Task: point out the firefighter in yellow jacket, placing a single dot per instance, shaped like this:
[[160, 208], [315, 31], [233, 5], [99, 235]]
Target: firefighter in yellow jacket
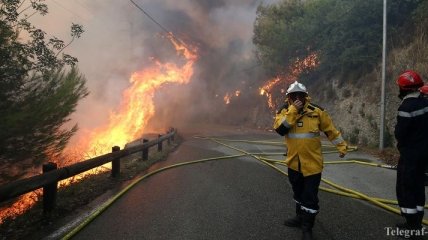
[[302, 123]]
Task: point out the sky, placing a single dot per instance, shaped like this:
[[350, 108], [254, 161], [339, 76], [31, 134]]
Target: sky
[[119, 40]]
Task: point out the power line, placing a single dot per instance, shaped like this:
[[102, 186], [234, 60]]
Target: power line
[[83, 5], [68, 10], [157, 23]]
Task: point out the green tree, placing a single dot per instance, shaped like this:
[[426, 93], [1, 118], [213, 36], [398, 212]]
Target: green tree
[[274, 35], [346, 34], [39, 88]]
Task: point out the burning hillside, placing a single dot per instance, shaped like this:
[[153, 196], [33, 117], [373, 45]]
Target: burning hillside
[[308, 63]]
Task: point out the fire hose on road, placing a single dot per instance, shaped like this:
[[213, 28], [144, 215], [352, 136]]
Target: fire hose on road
[[337, 189]]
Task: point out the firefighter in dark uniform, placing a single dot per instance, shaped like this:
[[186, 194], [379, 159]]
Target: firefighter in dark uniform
[[411, 132], [302, 123]]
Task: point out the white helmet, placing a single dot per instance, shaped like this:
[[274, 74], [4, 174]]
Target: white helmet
[[296, 87]]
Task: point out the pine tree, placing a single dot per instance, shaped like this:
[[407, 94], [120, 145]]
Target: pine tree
[[40, 87]]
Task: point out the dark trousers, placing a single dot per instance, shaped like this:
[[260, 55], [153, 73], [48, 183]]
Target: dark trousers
[[410, 186], [305, 189]]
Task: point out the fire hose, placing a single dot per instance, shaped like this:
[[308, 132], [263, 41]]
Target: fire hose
[[339, 190]]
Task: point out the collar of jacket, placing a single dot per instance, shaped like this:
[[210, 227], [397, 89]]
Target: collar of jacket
[[412, 95], [305, 108]]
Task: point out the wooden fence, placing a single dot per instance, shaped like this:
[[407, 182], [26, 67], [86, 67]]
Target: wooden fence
[[51, 175]]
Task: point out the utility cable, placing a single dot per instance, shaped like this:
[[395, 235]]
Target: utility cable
[[68, 10], [157, 23]]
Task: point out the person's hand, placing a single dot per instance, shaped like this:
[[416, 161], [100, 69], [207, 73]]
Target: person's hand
[[341, 155], [298, 105]]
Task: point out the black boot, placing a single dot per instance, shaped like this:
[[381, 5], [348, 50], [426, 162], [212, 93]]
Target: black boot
[[308, 220], [413, 222], [295, 221]]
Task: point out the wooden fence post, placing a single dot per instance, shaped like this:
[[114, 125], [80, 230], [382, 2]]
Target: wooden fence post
[[115, 164], [159, 143], [145, 151], [50, 190]]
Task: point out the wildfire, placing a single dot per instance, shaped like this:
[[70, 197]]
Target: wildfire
[[229, 96], [20, 206], [137, 106], [130, 121], [226, 98], [266, 89], [310, 62]]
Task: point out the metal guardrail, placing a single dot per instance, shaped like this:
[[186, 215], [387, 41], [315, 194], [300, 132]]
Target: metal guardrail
[[51, 176]]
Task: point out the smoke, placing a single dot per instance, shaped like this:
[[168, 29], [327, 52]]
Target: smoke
[[119, 40], [223, 33]]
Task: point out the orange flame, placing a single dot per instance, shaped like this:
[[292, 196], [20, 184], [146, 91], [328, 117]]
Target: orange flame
[[137, 106], [228, 97], [269, 85], [310, 62], [266, 90], [20, 206], [128, 123]]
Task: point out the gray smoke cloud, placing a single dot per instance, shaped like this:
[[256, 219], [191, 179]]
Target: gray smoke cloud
[[119, 40]]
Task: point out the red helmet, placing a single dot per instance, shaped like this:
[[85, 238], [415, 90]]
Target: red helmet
[[424, 89], [409, 80]]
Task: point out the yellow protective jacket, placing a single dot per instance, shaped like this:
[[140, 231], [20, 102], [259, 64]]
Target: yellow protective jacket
[[302, 136]]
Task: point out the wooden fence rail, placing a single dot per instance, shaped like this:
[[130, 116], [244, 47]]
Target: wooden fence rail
[[52, 177]]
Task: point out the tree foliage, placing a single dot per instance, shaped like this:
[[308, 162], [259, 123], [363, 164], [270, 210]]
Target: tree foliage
[[346, 34], [39, 86], [274, 34]]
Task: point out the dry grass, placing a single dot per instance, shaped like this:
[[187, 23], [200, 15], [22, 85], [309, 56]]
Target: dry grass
[[414, 56]]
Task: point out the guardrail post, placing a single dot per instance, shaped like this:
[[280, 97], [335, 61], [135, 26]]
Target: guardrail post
[[49, 190], [159, 143], [145, 151], [115, 164]]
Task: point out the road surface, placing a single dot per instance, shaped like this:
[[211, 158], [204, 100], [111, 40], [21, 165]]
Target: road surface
[[241, 197]]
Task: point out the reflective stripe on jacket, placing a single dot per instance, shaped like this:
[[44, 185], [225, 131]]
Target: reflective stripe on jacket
[[411, 129], [302, 136]]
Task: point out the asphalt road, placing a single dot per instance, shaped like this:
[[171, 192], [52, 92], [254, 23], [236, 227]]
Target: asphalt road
[[240, 198]]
